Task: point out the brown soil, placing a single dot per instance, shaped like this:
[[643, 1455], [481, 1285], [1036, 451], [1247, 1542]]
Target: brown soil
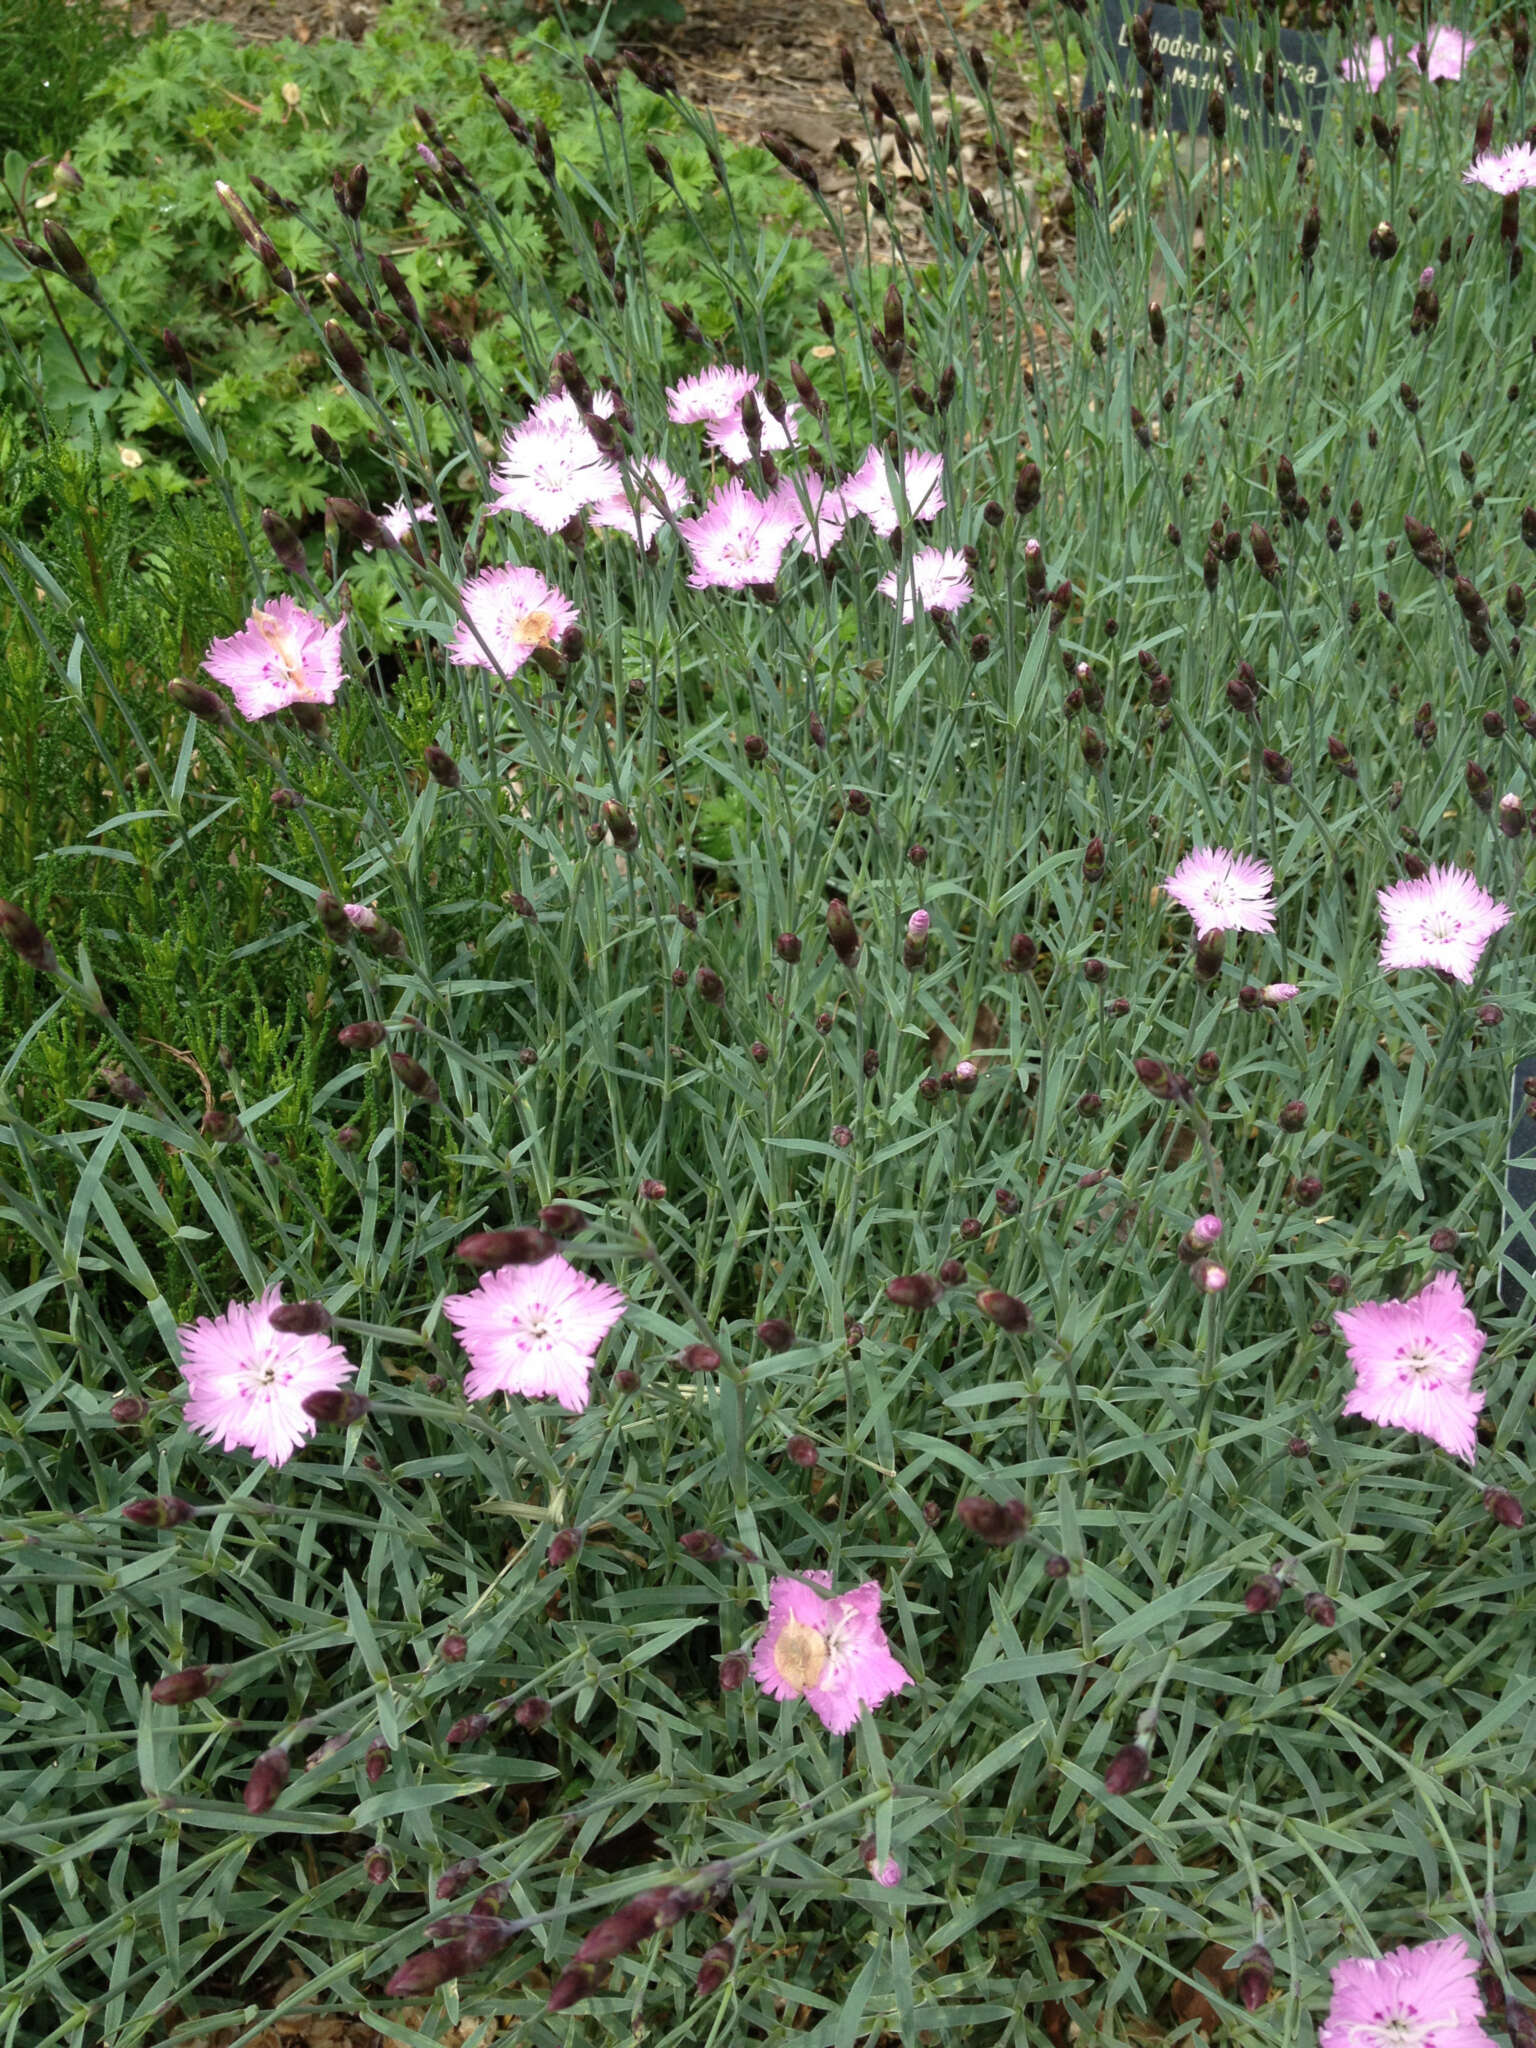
[[758, 65]]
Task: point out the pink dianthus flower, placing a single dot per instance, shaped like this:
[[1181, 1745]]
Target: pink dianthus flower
[[282, 655], [534, 1330], [1423, 1996], [247, 1383], [1413, 1362], [728, 437], [712, 395], [935, 580], [826, 1648], [1504, 171], [814, 510], [737, 540], [643, 518], [510, 611], [397, 521], [869, 491], [1442, 920], [1369, 66], [1444, 54], [1224, 892]]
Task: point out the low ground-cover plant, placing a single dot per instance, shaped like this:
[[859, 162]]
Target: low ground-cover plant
[[51, 60], [878, 1405], [198, 104]]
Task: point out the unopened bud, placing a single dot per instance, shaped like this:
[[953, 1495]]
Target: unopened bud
[[1129, 1769], [913, 1290], [1504, 1507], [159, 1511], [269, 1775], [179, 1688], [564, 1545], [996, 1523], [1006, 1310], [1255, 1974], [716, 1963], [25, 939], [488, 1249], [775, 1334], [1263, 1596], [699, 1358], [412, 1075], [1320, 1608]]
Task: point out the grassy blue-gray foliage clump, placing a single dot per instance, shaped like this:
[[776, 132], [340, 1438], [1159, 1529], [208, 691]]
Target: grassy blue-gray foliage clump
[[591, 971]]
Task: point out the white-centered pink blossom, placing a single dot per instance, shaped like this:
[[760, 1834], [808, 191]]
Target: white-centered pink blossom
[[534, 1330], [1443, 920], [509, 612], [282, 655], [247, 1383]]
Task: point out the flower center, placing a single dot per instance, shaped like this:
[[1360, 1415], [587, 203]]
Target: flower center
[[534, 629], [535, 1326], [800, 1655], [1421, 1359], [1404, 2029], [285, 650], [1441, 927]]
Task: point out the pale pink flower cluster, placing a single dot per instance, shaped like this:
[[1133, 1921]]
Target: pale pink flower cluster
[[532, 1330], [935, 580], [713, 400], [1414, 1361], [1443, 55]]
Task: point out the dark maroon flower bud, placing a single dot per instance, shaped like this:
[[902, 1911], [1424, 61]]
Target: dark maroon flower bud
[[1094, 970], [1057, 1567], [1158, 1080], [1382, 241], [159, 1511], [180, 1688], [1293, 1116], [468, 1728], [1093, 860], [996, 1523], [703, 1544], [128, 1409], [1320, 1608], [377, 1867], [1443, 1240], [453, 1649], [787, 946], [1129, 1769], [970, 1229], [414, 1077], [1276, 766], [488, 1249], [913, 1290], [622, 829], [625, 1381], [841, 933], [301, 1318], [269, 1774], [733, 1672], [775, 1334], [336, 1405], [362, 1036], [1263, 1596], [442, 768], [716, 1963], [1504, 1507], [1308, 1190], [1006, 1310], [1265, 558], [532, 1713], [952, 1272], [709, 985], [1490, 1014], [1519, 2024], [456, 1876], [1255, 1974], [802, 1452], [25, 939], [653, 1191], [376, 1762], [564, 1545], [560, 1219]]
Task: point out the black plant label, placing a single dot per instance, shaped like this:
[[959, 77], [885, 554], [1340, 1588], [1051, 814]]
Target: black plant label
[[1518, 1266], [1289, 109]]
